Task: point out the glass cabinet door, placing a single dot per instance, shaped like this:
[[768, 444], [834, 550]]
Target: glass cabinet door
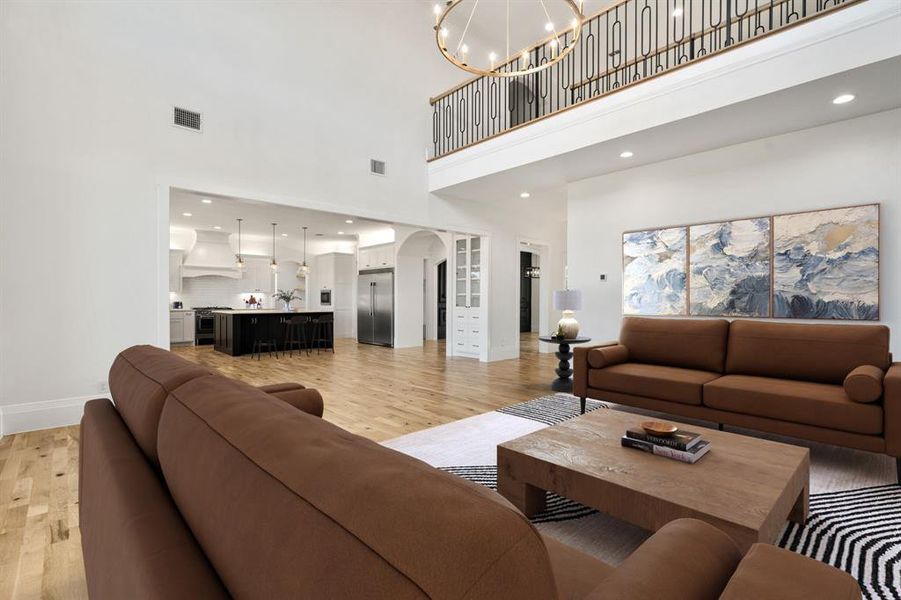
[[475, 264], [462, 265]]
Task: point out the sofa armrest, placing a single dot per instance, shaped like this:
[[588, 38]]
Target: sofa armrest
[[580, 367], [305, 399], [695, 559], [891, 405]]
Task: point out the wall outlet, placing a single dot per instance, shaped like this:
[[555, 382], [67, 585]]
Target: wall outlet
[[103, 386], [603, 277]]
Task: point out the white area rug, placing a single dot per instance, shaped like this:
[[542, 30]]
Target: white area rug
[[855, 521]]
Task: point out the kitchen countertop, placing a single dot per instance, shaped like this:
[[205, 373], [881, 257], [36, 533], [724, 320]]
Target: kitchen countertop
[[272, 311]]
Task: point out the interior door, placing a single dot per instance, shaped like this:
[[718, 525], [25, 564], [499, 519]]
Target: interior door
[[525, 293], [364, 309], [442, 300]]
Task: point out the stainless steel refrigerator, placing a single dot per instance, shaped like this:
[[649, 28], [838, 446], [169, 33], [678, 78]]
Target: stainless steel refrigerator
[[375, 307]]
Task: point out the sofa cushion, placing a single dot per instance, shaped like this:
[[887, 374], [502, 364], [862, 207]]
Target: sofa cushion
[[689, 344], [606, 356], [818, 404], [140, 380], [654, 381], [864, 384], [344, 517], [771, 572], [575, 573], [823, 353]]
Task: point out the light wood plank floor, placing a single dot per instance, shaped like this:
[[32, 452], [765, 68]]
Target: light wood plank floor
[[380, 393]]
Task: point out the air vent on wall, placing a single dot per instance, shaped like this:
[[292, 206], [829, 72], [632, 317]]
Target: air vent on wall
[[182, 117], [378, 167]]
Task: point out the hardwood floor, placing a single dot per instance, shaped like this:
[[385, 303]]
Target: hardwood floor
[[380, 393]]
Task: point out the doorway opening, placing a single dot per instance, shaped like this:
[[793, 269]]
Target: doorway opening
[[416, 284]]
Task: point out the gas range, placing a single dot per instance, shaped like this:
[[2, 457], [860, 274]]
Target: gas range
[[205, 324]]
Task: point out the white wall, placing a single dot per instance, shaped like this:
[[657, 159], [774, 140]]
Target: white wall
[[851, 162], [88, 156]]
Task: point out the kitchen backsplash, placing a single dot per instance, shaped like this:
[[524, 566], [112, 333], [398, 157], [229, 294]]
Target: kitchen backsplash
[[216, 291]]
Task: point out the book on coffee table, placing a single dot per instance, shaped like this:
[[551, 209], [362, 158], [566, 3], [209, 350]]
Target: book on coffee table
[[692, 455], [680, 440]]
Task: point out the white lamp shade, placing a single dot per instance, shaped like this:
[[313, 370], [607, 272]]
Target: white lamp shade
[[568, 300]]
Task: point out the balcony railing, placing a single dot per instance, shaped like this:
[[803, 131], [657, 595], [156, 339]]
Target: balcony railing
[[626, 44]]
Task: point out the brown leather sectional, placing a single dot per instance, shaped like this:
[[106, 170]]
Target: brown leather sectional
[[193, 485], [826, 383]]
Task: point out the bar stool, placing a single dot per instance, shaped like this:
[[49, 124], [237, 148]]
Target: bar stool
[[262, 339], [296, 335], [324, 331]]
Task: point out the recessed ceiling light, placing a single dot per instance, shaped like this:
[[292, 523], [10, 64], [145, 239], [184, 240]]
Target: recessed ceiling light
[[187, 215], [525, 195], [340, 233], [284, 235], [626, 154], [843, 99], [348, 221], [677, 12], [217, 227], [207, 201]]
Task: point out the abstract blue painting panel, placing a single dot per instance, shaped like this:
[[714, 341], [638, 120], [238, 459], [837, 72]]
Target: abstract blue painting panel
[[730, 268], [826, 264], [654, 272]]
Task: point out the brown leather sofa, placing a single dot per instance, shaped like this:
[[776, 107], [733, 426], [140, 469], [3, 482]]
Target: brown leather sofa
[[790, 379], [194, 485]]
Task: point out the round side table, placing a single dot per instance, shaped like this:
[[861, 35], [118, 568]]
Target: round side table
[[564, 382]]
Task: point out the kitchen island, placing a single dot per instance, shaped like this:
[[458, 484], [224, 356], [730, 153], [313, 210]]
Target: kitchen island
[[235, 329]]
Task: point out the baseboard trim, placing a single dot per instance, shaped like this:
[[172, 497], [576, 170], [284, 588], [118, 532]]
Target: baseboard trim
[[44, 414]]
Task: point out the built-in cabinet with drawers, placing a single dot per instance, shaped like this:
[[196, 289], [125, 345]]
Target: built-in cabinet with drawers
[[468, 331]]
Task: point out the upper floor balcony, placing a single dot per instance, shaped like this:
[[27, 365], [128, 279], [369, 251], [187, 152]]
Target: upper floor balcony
[[624, 45]]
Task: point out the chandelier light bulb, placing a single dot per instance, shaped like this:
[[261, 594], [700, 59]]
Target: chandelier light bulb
[[444, 32], [574, 23], [524, 57], [492, 58], [437, 11], [677, 12], [549, 27]]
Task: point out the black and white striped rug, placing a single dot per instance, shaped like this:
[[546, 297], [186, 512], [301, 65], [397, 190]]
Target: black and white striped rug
[[552, 409]]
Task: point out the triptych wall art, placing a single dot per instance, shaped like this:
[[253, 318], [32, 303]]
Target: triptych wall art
[[814, 265]]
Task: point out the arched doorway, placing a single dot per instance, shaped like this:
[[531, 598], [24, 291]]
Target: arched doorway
[[416, 288]]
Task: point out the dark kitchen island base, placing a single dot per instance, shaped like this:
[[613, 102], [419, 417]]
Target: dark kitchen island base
[[235, 329]]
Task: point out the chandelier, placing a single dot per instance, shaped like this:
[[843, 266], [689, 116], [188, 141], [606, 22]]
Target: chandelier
[[471, 38]]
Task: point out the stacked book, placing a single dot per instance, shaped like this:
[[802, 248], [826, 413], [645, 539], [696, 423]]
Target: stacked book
[[685, 446]]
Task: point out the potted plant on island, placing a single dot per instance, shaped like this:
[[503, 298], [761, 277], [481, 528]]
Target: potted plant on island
[[286, 296]]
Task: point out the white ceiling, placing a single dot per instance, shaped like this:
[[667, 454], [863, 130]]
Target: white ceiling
[[259, 216], [877, 88]]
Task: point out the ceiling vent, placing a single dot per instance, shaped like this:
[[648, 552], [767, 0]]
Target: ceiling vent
[[188, 119], [378, 167]]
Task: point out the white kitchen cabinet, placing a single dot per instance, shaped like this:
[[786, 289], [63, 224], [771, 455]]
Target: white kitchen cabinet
[[335, 272], [377, 257], [258, 276], [176, 257], [469, 333], [181, 327]]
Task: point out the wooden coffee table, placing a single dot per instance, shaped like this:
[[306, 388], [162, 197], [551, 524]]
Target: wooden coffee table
[[745, 486]]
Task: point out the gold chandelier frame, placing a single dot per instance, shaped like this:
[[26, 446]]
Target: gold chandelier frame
[[494, 72]]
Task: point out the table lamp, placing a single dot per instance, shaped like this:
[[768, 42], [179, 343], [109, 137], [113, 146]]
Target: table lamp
[[568, 301]]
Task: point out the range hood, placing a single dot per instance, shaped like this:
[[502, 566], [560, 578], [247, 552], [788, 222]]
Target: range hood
[[211, 255]]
